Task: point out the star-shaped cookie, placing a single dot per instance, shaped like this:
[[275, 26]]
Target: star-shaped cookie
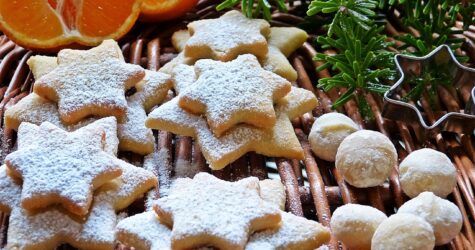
[[35, 109], [183, 76], [239, 91], [273, 191], [42, 65], [223, 213], [59, 167], [89, 82], [279, 141], [287, 39], [133, 135], [282, 42], [144, 232], [227, 37], [179, 59], [294, 233], [49, 228]]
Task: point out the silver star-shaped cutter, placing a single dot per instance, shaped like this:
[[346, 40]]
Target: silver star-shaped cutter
[[462, 77]]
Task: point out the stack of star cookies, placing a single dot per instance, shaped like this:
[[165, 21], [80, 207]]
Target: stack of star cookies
[[67, 187], [77, 87], [65, 183], [208, 212], [232, 78]]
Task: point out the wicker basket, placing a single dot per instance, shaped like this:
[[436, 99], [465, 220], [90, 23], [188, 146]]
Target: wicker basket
[[314, 188]]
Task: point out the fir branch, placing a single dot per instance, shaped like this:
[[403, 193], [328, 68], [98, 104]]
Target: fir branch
[[434, 21], [255, 8], [361, 62], [361, 11], [433, 18]]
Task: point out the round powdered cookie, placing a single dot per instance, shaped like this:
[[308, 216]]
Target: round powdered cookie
[[327, 133], [354, 225], [403, 231], [366, 158], [443, 215], [424, 170]]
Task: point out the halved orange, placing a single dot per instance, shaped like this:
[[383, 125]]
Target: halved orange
[[162, 10], [53, 24]]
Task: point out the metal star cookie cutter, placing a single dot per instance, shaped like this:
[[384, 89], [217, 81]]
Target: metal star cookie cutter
[[462, 77]]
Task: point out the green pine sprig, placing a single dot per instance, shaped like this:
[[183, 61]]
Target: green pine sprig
[[255, 8], [434, 21], [433, 17], [361, 62], [360, 11]]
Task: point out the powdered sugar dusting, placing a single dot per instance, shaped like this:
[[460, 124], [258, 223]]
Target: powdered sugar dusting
[[279, 141], [226, 37], [9, 191], [73, 159], [107, 49], [48, 229], [183, 76], [152, 90], [443, 215], [222, 209], [133, 134], [33, 109], [84, 89], [179, 59], [159, 163], [424, 170], [144, 231], [109, 125], [123, 190], [273, 191], [366, 158], [91, 82], [294, 233], [234, 92]]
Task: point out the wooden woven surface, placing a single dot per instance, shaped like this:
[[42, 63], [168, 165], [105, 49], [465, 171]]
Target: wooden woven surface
[[314, 188]]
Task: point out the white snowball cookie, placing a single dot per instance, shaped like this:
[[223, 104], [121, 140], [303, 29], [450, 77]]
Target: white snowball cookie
[[403, 231], [327, 133], [427, 170], [443, 215], [354, 225], [366, 158]]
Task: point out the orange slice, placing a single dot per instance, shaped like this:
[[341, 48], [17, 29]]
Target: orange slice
[[53, 24], [162, 10]]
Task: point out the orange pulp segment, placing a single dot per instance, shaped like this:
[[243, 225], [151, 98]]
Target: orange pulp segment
[[50, 24], [162, 10]]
